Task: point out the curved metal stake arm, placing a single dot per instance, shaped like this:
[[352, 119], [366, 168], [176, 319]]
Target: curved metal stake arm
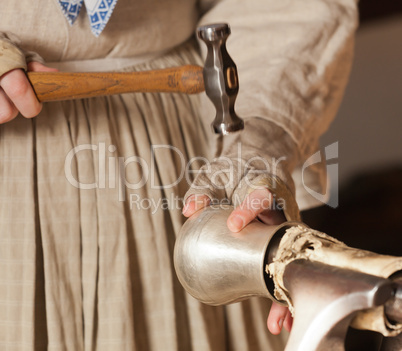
[[324, 310]]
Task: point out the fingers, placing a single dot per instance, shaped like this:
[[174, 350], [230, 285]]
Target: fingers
[[7, 109], [38, 67], [19, 91], [17, 95], [195, 203], [255, 203], [279, 316], [288, 322]]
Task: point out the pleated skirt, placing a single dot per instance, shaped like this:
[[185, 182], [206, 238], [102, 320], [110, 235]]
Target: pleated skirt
[[90, 204]]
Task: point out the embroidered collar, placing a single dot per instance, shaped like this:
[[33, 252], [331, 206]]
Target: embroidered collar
[[99, 12]]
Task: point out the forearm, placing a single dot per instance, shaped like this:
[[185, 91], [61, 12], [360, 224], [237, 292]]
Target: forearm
[[261, 156]]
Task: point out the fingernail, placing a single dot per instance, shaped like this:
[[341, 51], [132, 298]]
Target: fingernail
[[280, 323], [237, 222]]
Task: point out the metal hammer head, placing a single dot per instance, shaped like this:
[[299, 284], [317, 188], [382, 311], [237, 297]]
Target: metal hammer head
[[220, 78]]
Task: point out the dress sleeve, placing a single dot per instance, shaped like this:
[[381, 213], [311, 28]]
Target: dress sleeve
[[12, 56], [293, 59]]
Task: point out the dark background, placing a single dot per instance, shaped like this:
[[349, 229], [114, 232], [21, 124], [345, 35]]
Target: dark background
[[369, 131]]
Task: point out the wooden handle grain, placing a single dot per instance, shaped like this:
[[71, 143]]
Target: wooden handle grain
[[56, 86]]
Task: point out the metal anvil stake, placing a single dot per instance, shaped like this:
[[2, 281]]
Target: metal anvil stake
[[219, 267]]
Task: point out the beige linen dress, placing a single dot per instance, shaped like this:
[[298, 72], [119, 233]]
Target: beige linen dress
[[91, 190]]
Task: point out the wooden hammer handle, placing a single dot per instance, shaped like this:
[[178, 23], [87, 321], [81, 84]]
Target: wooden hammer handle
[[56, 86]]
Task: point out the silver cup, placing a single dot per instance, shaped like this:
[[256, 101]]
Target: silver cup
[[217, 266]]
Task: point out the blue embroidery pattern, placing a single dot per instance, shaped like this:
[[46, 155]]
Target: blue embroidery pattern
[[99, 12]]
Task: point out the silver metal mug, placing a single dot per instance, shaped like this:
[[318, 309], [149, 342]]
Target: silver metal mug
[[217, 266]]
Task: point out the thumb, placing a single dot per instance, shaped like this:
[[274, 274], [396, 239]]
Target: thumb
[[255, 203]]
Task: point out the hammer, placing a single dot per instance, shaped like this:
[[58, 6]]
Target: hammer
[[218, 78]]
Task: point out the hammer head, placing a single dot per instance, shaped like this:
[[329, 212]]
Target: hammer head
[[220, 78]]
